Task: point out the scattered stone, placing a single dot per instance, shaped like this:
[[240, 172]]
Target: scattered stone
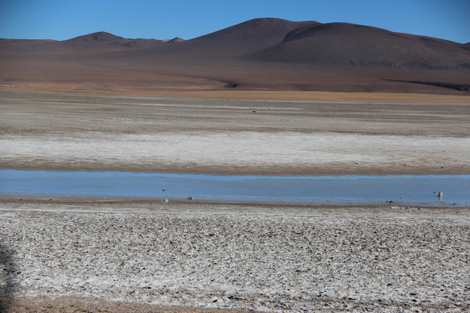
[[190, 198]]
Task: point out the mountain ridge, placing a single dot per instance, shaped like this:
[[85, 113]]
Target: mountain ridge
[[282, 41], [264, 54]]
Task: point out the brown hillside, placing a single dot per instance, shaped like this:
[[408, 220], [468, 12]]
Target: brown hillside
[[260, 54], [107, 40], [356, 45]]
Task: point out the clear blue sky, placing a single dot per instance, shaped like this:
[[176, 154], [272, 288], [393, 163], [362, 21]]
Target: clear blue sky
[[166, 19]]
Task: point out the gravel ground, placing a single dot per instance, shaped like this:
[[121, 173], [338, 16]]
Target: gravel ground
[[388, 259]]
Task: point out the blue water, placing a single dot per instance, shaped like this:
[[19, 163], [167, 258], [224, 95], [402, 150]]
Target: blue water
[[404, 189]]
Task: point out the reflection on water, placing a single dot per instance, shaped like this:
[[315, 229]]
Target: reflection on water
[[404, 189]]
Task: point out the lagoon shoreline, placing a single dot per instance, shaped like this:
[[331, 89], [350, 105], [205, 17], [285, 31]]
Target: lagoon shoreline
[[85, 254]]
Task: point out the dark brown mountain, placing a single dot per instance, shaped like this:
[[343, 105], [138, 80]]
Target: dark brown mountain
[[247, 37], [105, 40], [356, 45], [91, 43], [266, 54]]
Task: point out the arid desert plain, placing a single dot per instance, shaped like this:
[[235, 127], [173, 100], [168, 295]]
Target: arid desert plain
[[142, 255]]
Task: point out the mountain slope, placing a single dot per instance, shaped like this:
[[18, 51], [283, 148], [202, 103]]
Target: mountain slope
[[356, 45], [266, 53], [227, 45], [249, 36], [270, 40]]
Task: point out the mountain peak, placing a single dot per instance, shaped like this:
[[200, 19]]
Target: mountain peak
[[174, 40], [250, 36], [98, 36]]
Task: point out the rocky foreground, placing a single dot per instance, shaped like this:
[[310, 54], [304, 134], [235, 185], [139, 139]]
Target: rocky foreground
[[387, 259]]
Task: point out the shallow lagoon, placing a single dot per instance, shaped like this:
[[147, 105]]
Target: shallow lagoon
[[401, 189]]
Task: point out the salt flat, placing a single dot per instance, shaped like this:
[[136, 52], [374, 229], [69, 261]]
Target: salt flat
[[137, 256], [392, 259], [59, 132], [239, 152]]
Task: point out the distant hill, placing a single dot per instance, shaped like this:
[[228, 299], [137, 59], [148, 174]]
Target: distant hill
[[95, 42], [107, 40], [265, 53]]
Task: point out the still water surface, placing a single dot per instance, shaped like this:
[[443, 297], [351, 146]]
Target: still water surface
[[403, 189]]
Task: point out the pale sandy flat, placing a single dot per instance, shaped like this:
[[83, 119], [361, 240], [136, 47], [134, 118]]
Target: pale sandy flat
[[63, 132]]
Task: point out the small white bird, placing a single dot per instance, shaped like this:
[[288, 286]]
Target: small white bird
[[165, 201]]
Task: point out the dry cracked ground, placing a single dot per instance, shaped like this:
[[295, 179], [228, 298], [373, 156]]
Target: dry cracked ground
[[388, 259]]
